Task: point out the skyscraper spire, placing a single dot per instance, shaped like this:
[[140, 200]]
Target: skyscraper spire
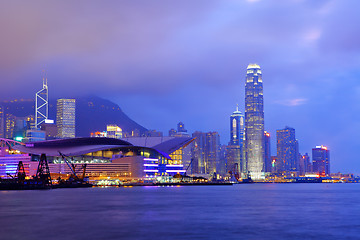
[[41, 103], [254, 122]]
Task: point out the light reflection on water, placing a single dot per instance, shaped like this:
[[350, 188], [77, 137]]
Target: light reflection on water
[[249, 211]]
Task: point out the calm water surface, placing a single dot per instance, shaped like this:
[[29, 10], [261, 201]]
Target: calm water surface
[[254, 211]]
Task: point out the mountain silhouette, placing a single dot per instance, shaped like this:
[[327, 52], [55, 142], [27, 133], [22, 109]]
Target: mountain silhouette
[[92, 114]]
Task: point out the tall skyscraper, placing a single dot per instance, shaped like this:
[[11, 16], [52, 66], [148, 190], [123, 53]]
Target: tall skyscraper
[[41, 104], [267, 152], [321, 160], [236, 128], [287, 150], [235, 150], [212, 151], [65, 118], [254, 122]]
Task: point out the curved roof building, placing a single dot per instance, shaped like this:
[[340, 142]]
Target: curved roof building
[[140, 157]]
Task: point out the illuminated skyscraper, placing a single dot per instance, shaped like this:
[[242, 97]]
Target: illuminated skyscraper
[[287, 149], [321, 160], [65, 118], [235, 150], [41, 104], [236, 128], [254, 122]]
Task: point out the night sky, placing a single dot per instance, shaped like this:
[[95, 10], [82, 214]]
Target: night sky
[[170, 61]]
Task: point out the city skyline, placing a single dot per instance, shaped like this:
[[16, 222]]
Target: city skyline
[[308, 53]]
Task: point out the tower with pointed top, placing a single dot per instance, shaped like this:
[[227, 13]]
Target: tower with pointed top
[[254, 123], [236, 127], [42, 104], [235, 149]]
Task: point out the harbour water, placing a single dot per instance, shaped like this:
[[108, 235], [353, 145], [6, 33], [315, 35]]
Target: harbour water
[[247, 211]]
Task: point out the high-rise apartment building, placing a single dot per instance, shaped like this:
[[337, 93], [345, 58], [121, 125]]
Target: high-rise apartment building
[[321, 160], [65, 118], [254, 122], [287, 150]]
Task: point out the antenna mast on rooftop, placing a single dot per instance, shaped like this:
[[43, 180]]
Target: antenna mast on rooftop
[[42, 103]]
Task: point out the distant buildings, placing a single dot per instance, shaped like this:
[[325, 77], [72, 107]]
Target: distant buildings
[[305, 165], [254, 122], [50, 129], [181, 128], [267, 152], [181, 131], [9, 125], [321, 160], [287, 150], [172, 132], [2, 121], [206, 152], [114, 131], [65, 118]]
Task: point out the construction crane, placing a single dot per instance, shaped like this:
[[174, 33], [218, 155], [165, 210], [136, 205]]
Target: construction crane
[[73, 168], [43, 172]]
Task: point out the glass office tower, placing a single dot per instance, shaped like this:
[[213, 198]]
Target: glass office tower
[[65, 118], [254, 123]]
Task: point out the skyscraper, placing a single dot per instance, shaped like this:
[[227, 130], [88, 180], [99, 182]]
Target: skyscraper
[[287, 150], [321, 160], [236, 128], [41, 104], [235, 150], [205, 152], [212, 152], [254, 122], [65, 118], [267, 152]]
